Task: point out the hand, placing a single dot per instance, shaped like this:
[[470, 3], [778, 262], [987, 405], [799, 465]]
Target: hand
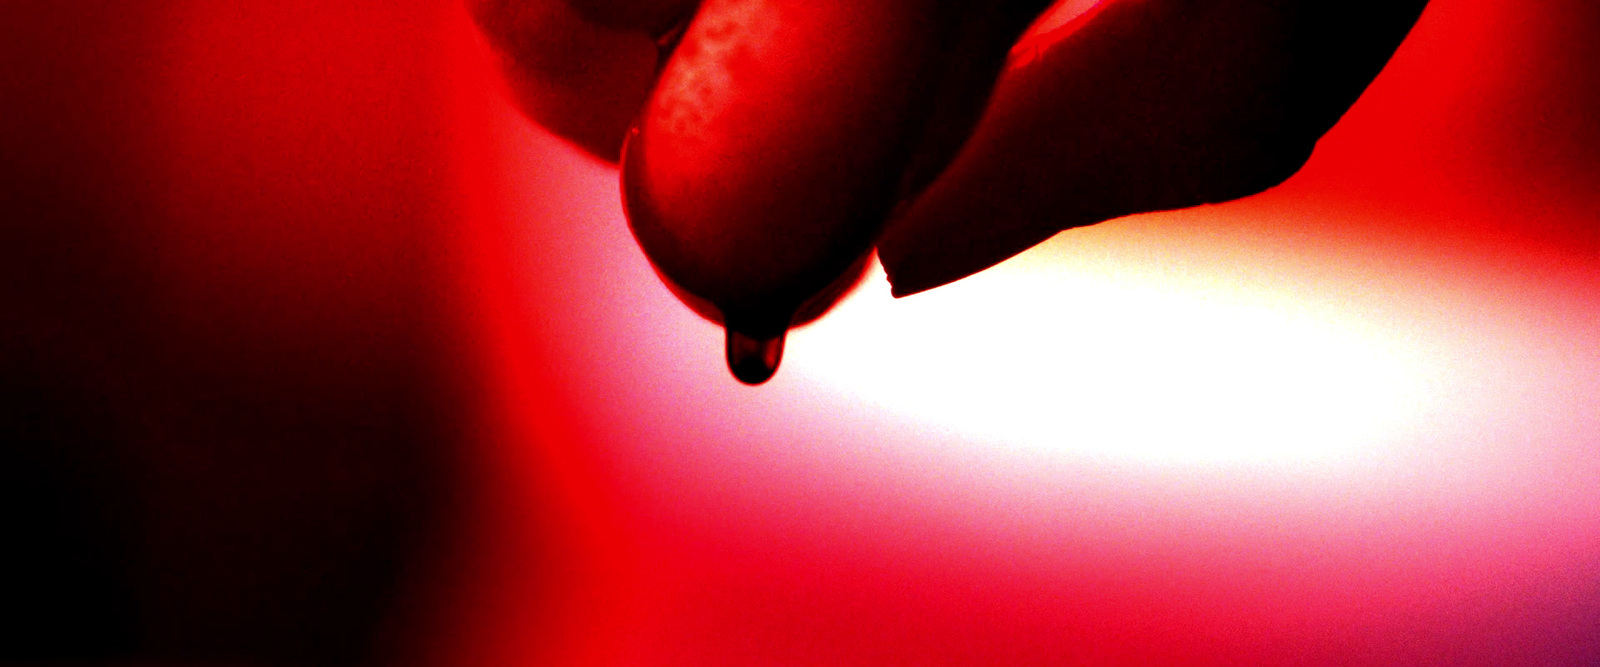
[[982, 147]]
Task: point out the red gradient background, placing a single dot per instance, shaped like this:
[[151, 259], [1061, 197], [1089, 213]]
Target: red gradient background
[[316, 352]]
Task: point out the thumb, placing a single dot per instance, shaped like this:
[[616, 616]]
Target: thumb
[[1137, 106]]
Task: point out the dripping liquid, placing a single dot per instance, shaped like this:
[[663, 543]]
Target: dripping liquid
[[754, 359]]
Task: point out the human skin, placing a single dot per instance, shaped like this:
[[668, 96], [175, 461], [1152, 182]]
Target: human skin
[[1136, 106]]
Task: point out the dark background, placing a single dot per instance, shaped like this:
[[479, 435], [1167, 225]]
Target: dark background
[[227, 392]]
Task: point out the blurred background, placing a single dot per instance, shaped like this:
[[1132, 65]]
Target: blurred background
[[314, 352]]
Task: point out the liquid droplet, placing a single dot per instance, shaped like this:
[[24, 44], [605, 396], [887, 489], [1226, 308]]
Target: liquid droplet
[[752, 359]]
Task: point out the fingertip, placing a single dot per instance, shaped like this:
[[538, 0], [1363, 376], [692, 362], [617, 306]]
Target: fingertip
[[916, 264], [931, 241], [902, 290], [903, 283], [907, 274], [949, 243], [1138, 107]]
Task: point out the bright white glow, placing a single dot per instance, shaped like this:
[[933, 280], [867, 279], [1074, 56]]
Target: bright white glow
[[1100, 359]]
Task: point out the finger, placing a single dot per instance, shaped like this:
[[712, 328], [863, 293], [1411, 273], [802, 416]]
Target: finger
[[771, 147], [580, 69], [973, 52], [776, 142], [1142, 105]]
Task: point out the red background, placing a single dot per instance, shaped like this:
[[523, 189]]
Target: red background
[[315, 352]]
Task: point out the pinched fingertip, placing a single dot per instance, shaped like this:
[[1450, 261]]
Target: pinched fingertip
[[1141, 107], [941, 242]]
